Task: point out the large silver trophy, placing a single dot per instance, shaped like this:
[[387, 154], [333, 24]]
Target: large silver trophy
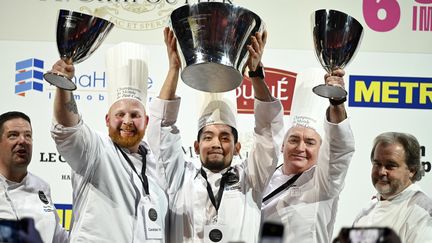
[[78, 36], [212, 39], [336, 37]]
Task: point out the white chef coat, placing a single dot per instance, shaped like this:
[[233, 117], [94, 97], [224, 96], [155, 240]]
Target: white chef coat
[[31, 198], [190, 207], [409, 214], [308, 208], [108, 196]]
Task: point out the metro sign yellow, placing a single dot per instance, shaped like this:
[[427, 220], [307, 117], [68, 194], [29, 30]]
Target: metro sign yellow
[[390, 92]]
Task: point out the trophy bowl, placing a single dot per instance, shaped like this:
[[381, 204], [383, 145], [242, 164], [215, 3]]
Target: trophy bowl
[[212, 38], [336, 37], [78, 36]]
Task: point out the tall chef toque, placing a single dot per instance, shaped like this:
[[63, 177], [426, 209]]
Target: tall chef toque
[[308, 109], [218, 108], [127, 72]]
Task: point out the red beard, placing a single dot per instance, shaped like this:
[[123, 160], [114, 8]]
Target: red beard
[[125, 142]]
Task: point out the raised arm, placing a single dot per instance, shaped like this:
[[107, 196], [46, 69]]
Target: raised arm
[[256, 50], [65, 108], [169, 87], [336, 113], [162, 134], [268, 131]]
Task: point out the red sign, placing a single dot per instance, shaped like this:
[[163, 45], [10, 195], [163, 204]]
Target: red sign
[[281, 84]]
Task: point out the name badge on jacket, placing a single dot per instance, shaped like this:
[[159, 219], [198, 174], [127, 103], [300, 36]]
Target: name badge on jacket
[[153, 221]]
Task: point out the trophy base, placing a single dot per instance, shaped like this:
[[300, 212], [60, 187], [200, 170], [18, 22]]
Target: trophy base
[[330, 91], [60, 81], [211, 77]]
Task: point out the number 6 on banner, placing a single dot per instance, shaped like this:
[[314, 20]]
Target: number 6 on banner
[[371, 9]]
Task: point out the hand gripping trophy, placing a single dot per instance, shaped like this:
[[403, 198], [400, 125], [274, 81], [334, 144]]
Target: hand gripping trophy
[[336, 37], [78, 36]]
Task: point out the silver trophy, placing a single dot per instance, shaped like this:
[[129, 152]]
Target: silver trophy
[[336, 37], [78, 36], [212, 39]]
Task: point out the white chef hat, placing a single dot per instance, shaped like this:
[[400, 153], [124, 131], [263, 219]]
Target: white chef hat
[[308, 109], [127, 71], [218, 108]]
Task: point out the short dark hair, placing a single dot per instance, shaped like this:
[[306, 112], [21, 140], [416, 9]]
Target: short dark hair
[[233, 130], [411, 147], [12, 115]]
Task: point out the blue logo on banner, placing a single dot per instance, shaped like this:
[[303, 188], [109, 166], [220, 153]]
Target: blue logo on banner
[[28, 76], [390, 92]]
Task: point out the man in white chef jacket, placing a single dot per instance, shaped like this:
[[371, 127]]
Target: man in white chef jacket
[[23, 194], [115, 194], [400, 203], [303, 192], [218, 200]]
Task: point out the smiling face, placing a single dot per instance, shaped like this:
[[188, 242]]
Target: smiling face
[[300, 149], [390, 173], [126, 122], [16, 144], [216, 147]]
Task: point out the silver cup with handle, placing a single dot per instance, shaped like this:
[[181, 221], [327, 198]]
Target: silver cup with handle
[[78, 36], [336, 37]]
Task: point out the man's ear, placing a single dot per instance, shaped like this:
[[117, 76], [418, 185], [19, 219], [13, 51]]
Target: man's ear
[[107, 120], [237, 148], [196, 147], [412, 174]]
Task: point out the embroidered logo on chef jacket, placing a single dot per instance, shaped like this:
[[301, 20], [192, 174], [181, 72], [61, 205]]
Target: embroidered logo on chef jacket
[[295, 191], [43, 198], [46, 208]]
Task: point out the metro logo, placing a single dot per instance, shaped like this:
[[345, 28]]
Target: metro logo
[[390, 92]]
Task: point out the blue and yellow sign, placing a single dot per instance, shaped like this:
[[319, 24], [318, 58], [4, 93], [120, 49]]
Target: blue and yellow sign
[[390, 92], [64, 212]]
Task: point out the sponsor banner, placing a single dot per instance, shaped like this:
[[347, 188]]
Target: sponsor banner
[[390, 92], [281, 84]]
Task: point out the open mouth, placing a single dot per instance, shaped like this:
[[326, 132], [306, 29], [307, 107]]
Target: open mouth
[[127, 131], [21, 152]]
